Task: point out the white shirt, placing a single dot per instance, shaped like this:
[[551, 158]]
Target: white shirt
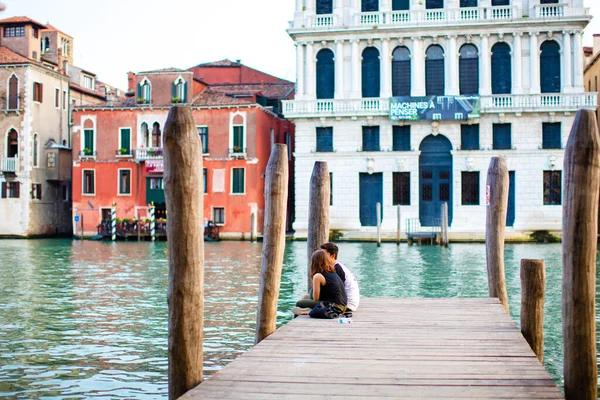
[[352, 290]]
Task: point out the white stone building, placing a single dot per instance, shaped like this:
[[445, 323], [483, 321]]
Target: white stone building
[[407, 101]]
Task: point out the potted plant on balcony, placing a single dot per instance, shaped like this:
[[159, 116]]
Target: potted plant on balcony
[[155, 152], [123, 151], [87, 151], [175, 100], [237, 149], [141, 100]]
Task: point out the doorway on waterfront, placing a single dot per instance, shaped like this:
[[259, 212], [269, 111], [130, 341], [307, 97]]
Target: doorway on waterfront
[[435, 179], [371, 193]]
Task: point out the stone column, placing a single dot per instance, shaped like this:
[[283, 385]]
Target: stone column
[[310, 82], [517, 64], [339, 69], [418, 67], [452, 88], [567, 78], [578, 63], [386, 73], [534, 63], [485, 83], [356, 70], [300, 71]]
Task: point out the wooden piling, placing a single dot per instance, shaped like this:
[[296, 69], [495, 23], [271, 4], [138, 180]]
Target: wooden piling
[[318, 212], [444, 224], [579, 243], [82, 232], [533, 286], [398, 221], [185, 201], [253, 225], [378, 224], [276, 193], [497, 187]]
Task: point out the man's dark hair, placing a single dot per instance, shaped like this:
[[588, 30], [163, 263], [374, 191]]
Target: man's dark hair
[[331, 248]]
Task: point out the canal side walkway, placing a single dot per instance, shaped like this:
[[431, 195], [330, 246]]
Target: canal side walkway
[[394, 348]]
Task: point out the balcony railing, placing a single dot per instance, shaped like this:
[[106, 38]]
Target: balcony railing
[[88, 154], [9, 164], [237, 152], [489, 104], [550, 10], [149, 153]]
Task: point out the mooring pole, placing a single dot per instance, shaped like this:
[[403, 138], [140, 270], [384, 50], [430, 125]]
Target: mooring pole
[[185, 201], [398, 227], [113, 221], [497, 193], [318, 212], [152, 211], [579, 244], [276, 193], [82, 232], [252, 226], [378, 224], [533, 286], [445, 224]]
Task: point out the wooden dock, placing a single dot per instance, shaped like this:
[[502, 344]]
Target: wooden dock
[[394, 348]]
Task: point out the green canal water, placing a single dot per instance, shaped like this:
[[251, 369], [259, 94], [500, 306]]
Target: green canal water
[[88, 319]]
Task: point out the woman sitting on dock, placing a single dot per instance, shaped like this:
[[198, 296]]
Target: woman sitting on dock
[[327, 286]]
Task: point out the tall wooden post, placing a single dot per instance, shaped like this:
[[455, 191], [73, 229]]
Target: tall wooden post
[[378, 224], [444, 224], [276, 193], [398, 227], [82, 232], [318, 212], [185, 202], [497, 193], [252, 227], [533, 286], [579, 243]]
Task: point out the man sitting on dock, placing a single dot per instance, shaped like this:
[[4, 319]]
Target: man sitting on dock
[[350, 282]]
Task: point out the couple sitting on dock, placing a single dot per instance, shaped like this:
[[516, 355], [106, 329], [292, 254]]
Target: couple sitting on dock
[[334, 289]]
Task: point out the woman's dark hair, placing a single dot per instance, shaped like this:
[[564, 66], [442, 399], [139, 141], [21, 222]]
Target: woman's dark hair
[[321, 262], [331, 248]]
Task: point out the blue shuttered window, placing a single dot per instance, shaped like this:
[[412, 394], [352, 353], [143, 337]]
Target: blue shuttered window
[[370, 72], [325, 74], [370, 138], [401, 138], [470, 188], [429, 4], [401, 72], [469, 70], [434, 71], [551, 135], [501, 69], [469, 137], [324, 6], [500, 2], [369, 5], [552, 188], [501, 137], [325, 139], [400, 5], [468, 3], [550, 67], [401, 188]]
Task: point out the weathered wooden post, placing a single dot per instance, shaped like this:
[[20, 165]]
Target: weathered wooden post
[[444, 224], [113, 222], [82, 231], [533, 286], [139, 228], [252, 226], [276, 193], [378, 224], [579, 243], [398, 227], [497, 188], [184, 197], [318, 212]]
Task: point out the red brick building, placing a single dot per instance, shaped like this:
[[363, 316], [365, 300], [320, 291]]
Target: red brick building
[[118, 147]]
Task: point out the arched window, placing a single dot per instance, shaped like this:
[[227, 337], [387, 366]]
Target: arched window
[[550, 67], [13, 93], [12, 144], [468, 67], [401, 72], [400, 5], [325, 74], [146, 139], [179, 92], [46, 44], [324, 6], [369, 5], [432, 4], [501, 69], [156, 135], [35, 150], [370, 72], [144, 91], [434, 71]]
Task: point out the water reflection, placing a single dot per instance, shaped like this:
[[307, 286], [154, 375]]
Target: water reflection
[[82, 319]]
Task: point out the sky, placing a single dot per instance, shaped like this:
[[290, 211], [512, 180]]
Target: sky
[[112, 37]]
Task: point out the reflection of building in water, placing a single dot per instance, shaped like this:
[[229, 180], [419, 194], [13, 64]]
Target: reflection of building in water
[[518, 66]]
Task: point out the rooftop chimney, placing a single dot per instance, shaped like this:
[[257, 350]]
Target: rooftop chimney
[[596, 42], [131, 82]]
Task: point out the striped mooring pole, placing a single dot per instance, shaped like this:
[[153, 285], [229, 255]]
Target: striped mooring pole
[[113, 221], [152, 222]]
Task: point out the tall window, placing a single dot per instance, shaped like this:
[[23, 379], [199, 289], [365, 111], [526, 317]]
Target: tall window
[[56, 98], [238, 139], [237, 180], [205, 179], [501, 139], [144, 91], [324, 7], [400, 5], [551, 135], [401, 188], [179, 91], [432, 4], [370, 72], [125, 141], [12, 144], [370, 138], [325, 74], [369, 5], [124, 181], [219, 215], [469, 137], [13, 93], [156, 135], [470, 188], [434, 71], [469, 70], [36, 191], [46, 45], [401, 72], [552, 188], [324, 139], [88, 141], [38, 92], [203, 133], [550, 67], [11, 189], [89, 182], [35, 150], [501, 69], [88, 82], [401, 138], [147, 140]]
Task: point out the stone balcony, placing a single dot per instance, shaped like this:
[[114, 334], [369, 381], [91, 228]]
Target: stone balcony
[[507, 103], [9, 165], [148, 153]]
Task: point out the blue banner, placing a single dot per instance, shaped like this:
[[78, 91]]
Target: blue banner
[[434, 108]]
